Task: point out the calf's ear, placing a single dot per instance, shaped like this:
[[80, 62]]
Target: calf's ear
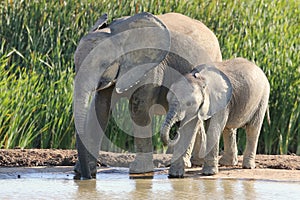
[[217, 92]]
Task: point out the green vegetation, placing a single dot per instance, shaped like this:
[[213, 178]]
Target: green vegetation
[[38, 40]]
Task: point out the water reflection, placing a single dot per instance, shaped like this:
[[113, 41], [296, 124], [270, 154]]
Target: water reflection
[[249, 190], [121, 185], [228, 188], [210, 188], [85, 189], [164, 188], [143, 189], [117, 184]]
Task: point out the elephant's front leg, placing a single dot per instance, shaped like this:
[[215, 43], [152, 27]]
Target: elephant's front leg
[[210, 166], [215, 125], [139, 105], [143, 161], [183, 148], [199, 149]]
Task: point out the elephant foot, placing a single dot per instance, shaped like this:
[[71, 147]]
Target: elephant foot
[[210, 167], [177, 169], [142, 164], [248, 163], [228, 160], [77, 170], [209, 170]]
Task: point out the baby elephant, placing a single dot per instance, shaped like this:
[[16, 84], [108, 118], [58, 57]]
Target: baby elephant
[[226, 96]]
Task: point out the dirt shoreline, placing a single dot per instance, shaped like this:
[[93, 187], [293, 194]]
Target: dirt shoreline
[[268, 167]]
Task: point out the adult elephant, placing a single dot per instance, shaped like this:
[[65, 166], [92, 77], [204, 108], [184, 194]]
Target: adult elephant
[[137, 57], [226, 95]]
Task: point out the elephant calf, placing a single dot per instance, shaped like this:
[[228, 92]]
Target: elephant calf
[[226, 95]]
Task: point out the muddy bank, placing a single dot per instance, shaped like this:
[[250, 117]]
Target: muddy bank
[[58, 157]]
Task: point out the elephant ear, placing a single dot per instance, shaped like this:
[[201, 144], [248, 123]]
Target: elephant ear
[[87, 43], [217, 91], [146, 42], [136, 44]]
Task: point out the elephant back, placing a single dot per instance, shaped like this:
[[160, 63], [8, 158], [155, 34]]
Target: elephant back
[[199, 33]]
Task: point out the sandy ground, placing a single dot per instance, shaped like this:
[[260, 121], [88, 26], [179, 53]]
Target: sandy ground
[[268, 167]]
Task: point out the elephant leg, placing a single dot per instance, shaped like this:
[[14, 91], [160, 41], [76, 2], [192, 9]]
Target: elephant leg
[[187, 138], [143, 161], [215, 126], [139, 104], [252, 134], [229, 157], [190, 150], [199, 149], [210, 166]]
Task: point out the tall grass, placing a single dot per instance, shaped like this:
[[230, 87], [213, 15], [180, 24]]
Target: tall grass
[[38, 40], [36, 109]]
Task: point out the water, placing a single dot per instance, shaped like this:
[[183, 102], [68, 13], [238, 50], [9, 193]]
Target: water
[[116, 184]]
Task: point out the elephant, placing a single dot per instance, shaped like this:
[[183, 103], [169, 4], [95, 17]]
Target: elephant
[[136, 57], [216, 98]]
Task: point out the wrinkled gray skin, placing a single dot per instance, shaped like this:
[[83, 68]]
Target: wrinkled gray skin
[[180, 44], [226, 95]]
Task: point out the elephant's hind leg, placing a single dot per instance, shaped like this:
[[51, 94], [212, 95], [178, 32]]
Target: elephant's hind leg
[[252, 134], [229, 157]]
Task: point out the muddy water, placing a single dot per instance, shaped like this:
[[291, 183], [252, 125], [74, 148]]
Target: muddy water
[[116, 184]]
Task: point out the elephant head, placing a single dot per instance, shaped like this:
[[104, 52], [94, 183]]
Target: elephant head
[[134, 44], [201, 93]]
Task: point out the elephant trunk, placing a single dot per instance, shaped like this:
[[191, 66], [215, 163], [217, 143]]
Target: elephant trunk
[[171, 119]]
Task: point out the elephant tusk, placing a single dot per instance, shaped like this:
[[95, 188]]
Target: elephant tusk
[[105, 86]]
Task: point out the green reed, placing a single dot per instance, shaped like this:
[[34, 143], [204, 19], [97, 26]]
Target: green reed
[[38, 40]]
